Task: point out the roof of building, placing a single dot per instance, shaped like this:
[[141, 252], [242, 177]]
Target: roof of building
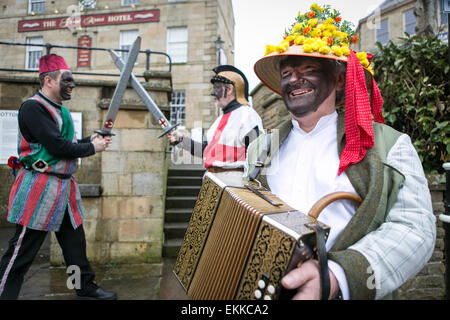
[[389, 4], [385, 6]]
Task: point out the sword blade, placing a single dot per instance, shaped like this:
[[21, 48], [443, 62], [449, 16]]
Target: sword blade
[[121, 87], [145, 97]]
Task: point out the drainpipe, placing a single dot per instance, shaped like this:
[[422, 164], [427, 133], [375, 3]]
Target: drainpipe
[[445, 218]]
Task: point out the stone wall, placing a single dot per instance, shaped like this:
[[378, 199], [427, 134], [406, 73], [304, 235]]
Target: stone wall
[[429, 283], [367, 28], [205, 20], [122, 188], [269, 105]]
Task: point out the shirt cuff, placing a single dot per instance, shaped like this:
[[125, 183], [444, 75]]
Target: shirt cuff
[[341, 278]]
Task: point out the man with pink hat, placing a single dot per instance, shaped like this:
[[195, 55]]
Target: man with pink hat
[[376, 247], [45, 195]]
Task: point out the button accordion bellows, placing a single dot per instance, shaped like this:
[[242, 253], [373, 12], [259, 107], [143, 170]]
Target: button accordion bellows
[[239, 246]]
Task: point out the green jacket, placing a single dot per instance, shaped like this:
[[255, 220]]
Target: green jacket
[[377, 184]]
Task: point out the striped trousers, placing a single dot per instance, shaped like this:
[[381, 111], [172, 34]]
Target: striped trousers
[[24, 246]]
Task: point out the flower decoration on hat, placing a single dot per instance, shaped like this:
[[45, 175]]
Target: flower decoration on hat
[[323, 31]]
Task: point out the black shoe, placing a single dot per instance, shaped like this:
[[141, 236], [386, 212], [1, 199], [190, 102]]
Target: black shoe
[[98, 294]]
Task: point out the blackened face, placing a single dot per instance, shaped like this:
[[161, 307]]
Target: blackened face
[[219, 93], [305, 84], [66, 85], [218, 90]]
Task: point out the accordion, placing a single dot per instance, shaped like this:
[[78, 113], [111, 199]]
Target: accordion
[[241, 241]]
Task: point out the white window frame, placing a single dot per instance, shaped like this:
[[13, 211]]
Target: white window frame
[[443, 17], [126, 40], [177, 44], [32, 50], [404, 22], [377, 34], [124, 3], [178, 107], [33, 2]]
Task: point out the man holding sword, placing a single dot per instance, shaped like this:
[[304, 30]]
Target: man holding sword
[[45, 195]]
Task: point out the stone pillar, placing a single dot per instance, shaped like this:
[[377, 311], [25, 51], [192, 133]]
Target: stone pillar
[[124, 222]]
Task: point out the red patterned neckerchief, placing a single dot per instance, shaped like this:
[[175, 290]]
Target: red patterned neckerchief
[[358, 117]]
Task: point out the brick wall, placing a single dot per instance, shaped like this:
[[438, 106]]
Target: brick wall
[[123, 187]]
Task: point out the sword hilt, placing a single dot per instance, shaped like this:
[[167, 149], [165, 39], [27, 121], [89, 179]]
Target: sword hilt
[[167, 130], [104, 133]]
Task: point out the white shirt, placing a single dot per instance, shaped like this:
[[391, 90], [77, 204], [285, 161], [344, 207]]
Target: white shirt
[[305, 169], [227, 137]]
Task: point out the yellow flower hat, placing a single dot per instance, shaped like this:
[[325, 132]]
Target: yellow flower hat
[[319, 33]]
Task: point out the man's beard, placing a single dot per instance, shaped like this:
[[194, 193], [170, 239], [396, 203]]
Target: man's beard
[[303, 103], [301, 100]]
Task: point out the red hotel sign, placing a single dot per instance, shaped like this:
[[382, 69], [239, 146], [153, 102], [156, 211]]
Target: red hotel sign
[[84, 55], [89, 20]]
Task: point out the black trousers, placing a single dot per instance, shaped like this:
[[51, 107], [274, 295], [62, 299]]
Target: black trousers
[[24, 246]]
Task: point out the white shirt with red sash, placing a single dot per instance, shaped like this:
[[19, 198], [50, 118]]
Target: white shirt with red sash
[[227, 138]]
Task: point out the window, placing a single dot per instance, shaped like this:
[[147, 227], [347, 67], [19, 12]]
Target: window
[[177, 44], [444, 16], [36, 6], [33, 53], [178, 107], [127, 39], [129, 2], [383, 31], [409, 22]]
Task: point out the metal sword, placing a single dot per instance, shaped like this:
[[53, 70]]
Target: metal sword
[[120, 90], [146, 99]]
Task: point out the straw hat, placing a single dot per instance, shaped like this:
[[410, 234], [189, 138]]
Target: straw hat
[[323, 34], [319, 33]]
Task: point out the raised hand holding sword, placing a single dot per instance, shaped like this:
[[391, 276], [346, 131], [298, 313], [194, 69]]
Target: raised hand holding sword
[[127, 76]]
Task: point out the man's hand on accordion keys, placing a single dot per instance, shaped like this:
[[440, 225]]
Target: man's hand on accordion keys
[[306, 280]]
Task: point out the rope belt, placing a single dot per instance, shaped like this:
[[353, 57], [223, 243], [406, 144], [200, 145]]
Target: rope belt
[[219, 169]]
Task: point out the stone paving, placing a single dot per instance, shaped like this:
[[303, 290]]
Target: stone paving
[[130, 282]]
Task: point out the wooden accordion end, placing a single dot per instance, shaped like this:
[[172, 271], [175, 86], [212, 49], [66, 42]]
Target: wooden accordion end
[[238, 245]]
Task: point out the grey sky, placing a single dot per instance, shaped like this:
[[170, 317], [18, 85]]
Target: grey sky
[[261, 22]]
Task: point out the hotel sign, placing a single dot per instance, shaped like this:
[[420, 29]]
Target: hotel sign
[[89, 20], [84, 55]]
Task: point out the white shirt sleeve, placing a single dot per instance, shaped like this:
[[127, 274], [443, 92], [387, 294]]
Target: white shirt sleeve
[[250, 119], [340, 277], [403, 244]]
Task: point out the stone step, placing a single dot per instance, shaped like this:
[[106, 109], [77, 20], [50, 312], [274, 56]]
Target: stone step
[[171, 247], [182, 191], [175, 230], [183, 186], [180, 202], [178, 215], [184, 181], [186, 172]]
